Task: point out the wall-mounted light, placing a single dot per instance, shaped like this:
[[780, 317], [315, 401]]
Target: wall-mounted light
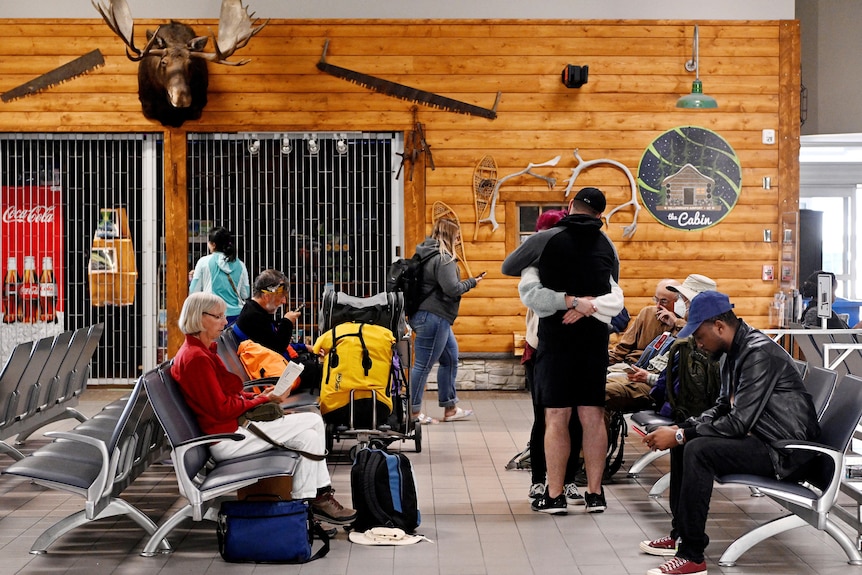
[[697, 99], [767, 183], [312, 145], [286, 146], [575, 76], [341, 146], [253, 147]]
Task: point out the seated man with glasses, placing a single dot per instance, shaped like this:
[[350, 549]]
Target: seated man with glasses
[[257, 320], [651, 322]]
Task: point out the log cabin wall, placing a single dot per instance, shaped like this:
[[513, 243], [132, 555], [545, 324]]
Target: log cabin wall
[[636, 74]]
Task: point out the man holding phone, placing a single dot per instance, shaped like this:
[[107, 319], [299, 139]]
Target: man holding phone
[[257, 320]]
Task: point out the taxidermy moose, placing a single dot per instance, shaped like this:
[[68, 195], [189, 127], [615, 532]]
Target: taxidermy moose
[[172, 73]]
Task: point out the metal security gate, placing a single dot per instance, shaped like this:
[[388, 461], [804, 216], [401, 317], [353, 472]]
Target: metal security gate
[[92, 204], [321, 207]]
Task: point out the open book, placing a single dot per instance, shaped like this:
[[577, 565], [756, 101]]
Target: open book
[[288, 377]]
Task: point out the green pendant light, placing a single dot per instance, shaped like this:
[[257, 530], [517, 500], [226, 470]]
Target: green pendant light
[[697, 99]]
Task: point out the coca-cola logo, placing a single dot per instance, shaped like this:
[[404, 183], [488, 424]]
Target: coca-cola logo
[[33, 215], [28, 291]]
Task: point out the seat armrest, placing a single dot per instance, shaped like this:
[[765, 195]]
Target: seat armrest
[[204, 439], [97, 488]]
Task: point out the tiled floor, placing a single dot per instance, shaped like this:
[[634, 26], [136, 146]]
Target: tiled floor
[[475, 512]]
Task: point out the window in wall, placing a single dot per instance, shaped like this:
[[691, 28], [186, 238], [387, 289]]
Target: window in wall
[[528, 215], [839, 241]]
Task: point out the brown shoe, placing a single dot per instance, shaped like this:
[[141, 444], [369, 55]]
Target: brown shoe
[[326, 508]]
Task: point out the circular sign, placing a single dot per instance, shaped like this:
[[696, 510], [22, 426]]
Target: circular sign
[[689, 178]]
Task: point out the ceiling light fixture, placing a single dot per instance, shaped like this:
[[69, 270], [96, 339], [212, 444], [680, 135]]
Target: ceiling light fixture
[[286, 146], [253, 147], [697, 99], [341, 146], [312, 145]]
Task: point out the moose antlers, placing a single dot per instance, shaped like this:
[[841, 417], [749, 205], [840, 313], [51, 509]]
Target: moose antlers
[[235, 29]]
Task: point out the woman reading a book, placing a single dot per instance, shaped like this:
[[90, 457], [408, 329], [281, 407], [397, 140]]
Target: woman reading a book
[[217, 398]]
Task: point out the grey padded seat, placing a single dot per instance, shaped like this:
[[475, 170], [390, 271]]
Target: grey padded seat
[[201, 479]]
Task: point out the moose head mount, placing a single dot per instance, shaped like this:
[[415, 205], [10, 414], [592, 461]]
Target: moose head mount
[[172, 69]]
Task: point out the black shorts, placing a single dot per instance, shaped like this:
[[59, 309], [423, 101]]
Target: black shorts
[[569, 378]]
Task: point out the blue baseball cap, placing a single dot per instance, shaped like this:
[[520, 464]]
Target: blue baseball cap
[[705, 305]]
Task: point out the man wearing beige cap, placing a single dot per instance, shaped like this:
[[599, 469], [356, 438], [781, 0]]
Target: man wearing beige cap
[[633, 392]]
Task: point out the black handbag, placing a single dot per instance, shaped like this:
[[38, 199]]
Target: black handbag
[[279, 531]]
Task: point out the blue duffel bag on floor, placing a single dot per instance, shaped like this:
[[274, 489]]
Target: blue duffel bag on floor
[[252, 531]]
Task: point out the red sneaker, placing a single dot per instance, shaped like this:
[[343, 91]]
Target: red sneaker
[[679, 566], [663, 546]]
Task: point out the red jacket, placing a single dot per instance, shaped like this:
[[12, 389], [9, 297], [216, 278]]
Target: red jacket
[[213, 393]]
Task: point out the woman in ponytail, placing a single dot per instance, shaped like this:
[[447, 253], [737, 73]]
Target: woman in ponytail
[[222, 273], [441, 289]]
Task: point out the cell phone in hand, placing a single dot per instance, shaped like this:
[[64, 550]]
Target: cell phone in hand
[[629, 369], [299, 308]]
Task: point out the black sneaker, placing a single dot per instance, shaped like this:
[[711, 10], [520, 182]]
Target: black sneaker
[[595, 502], [555, 506]]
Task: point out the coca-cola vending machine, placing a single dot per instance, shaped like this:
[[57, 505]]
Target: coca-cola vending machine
[[31, 234]]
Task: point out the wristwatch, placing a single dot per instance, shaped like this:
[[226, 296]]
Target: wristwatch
[[575, 302], [680, 436]]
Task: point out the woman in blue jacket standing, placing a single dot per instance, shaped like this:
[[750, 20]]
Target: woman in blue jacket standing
[[442, 288], [222, 273]]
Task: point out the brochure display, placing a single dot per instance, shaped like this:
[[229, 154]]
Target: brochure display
[[112, 268]]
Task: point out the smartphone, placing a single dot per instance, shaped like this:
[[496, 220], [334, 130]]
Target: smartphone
[[481, 275], [629, 369], [302, 305]]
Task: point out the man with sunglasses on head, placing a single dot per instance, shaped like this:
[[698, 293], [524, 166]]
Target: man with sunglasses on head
[[257, 320], [650, 323]]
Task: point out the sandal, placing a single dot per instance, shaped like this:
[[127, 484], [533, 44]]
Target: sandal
[[459, 414], [423, 419]]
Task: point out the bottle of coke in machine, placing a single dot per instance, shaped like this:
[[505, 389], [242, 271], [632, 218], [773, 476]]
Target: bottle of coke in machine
[[28, 294], [47, 291], [11, 309]]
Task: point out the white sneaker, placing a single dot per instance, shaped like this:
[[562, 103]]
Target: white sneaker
[[573, 496], [536, 491]]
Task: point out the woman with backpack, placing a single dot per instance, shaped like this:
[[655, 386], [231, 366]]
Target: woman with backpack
[[222, 273], [441, 290]]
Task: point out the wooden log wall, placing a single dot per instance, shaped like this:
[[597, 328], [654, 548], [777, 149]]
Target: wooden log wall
[[636, 73]]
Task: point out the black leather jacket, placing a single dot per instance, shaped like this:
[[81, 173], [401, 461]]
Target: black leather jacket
[[769, 400]]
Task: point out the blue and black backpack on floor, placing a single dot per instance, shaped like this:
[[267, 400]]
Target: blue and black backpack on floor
[[383, 490]]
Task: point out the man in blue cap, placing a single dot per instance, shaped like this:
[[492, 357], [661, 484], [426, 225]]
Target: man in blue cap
[[763, 401]]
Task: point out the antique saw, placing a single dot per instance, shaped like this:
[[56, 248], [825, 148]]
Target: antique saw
[[405, 92], [67, 71]]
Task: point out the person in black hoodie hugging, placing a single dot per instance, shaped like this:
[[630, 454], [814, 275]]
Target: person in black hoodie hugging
[[571, 360]]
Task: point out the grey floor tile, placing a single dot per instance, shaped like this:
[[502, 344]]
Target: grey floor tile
[[474, 511]]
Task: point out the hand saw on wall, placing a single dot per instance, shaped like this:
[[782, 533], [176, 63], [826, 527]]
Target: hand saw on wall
[[405, 92], [67, 71]]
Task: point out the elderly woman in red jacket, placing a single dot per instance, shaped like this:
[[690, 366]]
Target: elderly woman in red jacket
[[217, 397]]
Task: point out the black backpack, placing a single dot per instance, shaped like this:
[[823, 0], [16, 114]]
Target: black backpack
[[383, 490], [406, 276], [699, 382]]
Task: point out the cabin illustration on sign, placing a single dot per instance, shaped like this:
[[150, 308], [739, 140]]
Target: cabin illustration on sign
[[688, 189]]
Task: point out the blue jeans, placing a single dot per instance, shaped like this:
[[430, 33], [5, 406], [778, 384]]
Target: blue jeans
[[434, 342]]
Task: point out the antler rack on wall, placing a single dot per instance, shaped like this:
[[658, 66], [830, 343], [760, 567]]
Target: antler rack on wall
[[405, 92]]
